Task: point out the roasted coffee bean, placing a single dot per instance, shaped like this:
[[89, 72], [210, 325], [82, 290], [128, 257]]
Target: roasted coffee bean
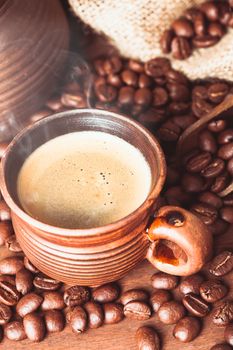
[[114, 80], [126, 95], [29, 265], [160, 97], [180, 48], [225, 136], [5, 314], [152, 116], [5, 213], [46, 283], [24, 281], [228, 334], [230, 166], [112, 65], [184, 121], [218, 227], [76, 295], [210, 198], [136, 66], [6, 231], [204, 41], [210, 9], [214, 169], [207, 142], [200, 91], [15, 331], [157, 67], [221, 347], [227, 214], [171, 312], [166, 40], [158, 298], [78, 319], [200, 107], [218, 91], [34, 327], [183, 27], [228, 200], [198, 162], [219, 183], [9, 279], [224, 12], [11, 265], [199, 24], [73, 100], [192, 183], [226, 151], [52, 301], [217, 125], [187, 329], [28, 303], [177, 192], [134, 295], [191, 284], [144, 81], [195, 305], [12, 244], [222, 315], [54, 321], [8, 294], [137, 310], [147, 339], [213, 290], [221, 264], [178, 92], [176, 108], [105, 93], [163, 280], [55, 103], [129, 77], [143, 96], [95, 314], [216, 29], [99, 67], [106, 293], [113, 313], [169, 131]]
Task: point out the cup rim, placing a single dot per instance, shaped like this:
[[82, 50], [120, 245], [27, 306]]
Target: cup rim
[[60, 231]]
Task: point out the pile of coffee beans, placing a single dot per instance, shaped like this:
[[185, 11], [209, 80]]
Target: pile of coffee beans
[[198, 27]]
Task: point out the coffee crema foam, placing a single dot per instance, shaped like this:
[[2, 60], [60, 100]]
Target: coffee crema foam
[[83, 179]]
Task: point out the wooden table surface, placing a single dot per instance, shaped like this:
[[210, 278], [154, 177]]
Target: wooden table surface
[[121, 336]]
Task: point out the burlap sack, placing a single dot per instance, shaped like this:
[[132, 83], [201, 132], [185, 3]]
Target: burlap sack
[[135, 27]]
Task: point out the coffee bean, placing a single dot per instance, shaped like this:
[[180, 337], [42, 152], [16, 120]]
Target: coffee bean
[[210, 9], [200, 107], [95, 314], [158, 298], [8, 294], [152, 116], [195, 305], [11, 265], [218, 227], [78, 319], [23, 281], [15, 331], [216, 29], [176, 108], [113, 313], [213, 290], [192, 183], [54, 321], [5, 213], [200, 91], [166, 40], [105, 93], [214, 169], [191, 284], [126, 95], [228, 334], [221, 347], [163, 280], [106, 293], [29, 265], [178, 92], [219, 183], [171, 312], [169, 131], [224, 12], [114, 80], [147, 339], [222, 315], [184, 121], [52, 301], [160, 97], [12, 244], [28, 303], [143, 96], [144, 81], [210, 198], [230, 166], [218, 91], [76, 295], [225, 136], [34, 327], [136, 66], [221, 264], [134, 295], [226, 151], [46, 283], [207, 142], [217, 125], [112, 65], [6, 232], [228, 200], [187, 329], [10, 279], [177, 192], [73, 100], [204, 41], [157, 67], [183, 27], [129, 77], [180, 48], [5, 314], [198, 162], [227, 214], [137, 310], [55, 103]]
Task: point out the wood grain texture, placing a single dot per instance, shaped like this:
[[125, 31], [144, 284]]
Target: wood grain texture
[[121, 336]]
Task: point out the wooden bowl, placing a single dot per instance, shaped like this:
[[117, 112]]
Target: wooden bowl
[[34, 40]]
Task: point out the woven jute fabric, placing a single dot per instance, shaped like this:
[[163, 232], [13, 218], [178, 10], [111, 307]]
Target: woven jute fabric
[[135, 28]]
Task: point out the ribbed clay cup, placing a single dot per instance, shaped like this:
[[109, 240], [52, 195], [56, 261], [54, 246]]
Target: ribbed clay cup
[[91, 256], [34, 38]]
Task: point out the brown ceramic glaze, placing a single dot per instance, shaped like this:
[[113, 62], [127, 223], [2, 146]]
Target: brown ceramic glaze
[[34, 44], [103, 254]]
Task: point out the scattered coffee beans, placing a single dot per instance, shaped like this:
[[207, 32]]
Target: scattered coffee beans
[[113, 313], [223, 313], [78, 319], [221, 264], [137, 310], [171, 312], [158, 298], [54, 321], [76, 295], [134, 295], [162, 280], [8, 294], [95, 314], [191, 284], [195, 305], [24, 281], [29, 265], [6, 232], [106, 293], [34, 327], [187, 329], [46, 283], [5, 314], [213, 290], [15, 331], [28, 303], [10, 266], [228, 334], [221, 347], [147, 339], [12, 244], [52, 301]]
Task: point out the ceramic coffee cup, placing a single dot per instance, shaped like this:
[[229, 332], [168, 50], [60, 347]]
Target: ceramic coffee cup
[[177, 242]]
